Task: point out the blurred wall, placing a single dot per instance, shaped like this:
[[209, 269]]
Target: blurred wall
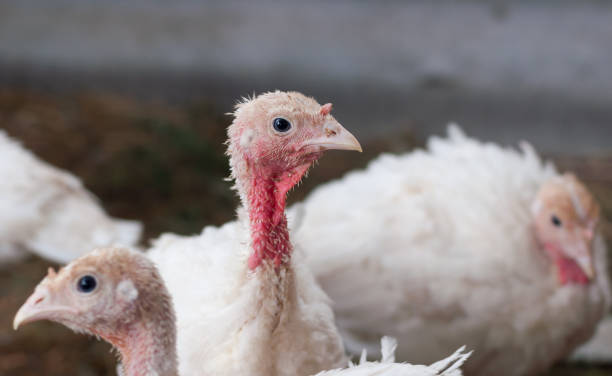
[[536, 70]]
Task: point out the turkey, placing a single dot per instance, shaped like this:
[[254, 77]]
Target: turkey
[[463, 243], [118, 295], [245, 302], [48, 211]]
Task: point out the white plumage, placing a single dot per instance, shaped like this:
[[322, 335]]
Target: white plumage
[[132, 310], [450, 366], [228, 318], [244, 307], [599, 348], [48, 211], [436, 248]]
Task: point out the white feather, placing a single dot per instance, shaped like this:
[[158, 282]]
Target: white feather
[[599, 348], [48, 211], [450, 366], [435, 248], [228, 320]]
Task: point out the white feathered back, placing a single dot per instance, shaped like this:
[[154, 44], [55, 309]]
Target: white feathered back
[[437, 245], [223, 328], [48, 211]]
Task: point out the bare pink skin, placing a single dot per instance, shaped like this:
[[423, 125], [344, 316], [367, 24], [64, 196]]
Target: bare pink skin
[[129, 308], [565, 220], [269, 233], [136, 346], [568, 270], [266, 163]]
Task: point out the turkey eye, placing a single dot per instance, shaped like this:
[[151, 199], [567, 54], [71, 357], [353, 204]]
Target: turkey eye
[[556, 221], [87, 284], [281, 125]]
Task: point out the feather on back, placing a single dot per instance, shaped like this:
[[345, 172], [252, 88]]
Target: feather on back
[[48, 211], [437, 245]]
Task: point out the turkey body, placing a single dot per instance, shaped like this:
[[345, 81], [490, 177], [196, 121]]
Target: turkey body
[[246, 304], [436, 248], [47, 211], [229, 320]]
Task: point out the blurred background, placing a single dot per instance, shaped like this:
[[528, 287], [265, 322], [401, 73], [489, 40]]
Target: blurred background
[[130, 96]]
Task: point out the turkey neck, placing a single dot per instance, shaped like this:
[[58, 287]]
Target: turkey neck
[[147, 346], [266, 198]]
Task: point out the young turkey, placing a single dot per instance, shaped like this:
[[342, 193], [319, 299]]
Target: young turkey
[[48, 211], [115, 294], [464, 243], [245, 303], [118, 295]]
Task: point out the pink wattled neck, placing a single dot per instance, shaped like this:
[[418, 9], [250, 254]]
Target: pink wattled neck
[[568, 271], [144, 352], [266, 198]]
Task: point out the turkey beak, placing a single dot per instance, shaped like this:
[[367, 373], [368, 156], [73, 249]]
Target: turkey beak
[[586, 264], [579, 251], [40, 306], [334, 137]]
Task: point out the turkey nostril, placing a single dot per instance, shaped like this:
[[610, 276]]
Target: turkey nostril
[[329, 132], [39, 300]]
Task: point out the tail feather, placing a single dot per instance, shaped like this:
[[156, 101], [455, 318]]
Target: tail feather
[[363, 359], [388, 345], [451, 365]]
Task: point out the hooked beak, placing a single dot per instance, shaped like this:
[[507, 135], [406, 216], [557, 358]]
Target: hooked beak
[[38, 307], [586, 264], [335, 137], [580, 251]]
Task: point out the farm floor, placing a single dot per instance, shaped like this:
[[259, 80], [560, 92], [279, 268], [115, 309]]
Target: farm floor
[[164, 166]]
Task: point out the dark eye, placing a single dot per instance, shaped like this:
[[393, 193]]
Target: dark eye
[[87, 284], [556, 221], [281, 125]]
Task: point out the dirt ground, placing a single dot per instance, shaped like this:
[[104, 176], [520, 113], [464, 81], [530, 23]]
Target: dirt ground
[[163, 165]]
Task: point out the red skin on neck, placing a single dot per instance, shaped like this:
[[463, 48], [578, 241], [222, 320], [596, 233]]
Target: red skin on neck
[[568, 271], [267, 198]]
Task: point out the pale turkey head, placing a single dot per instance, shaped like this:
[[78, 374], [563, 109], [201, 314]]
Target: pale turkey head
[[280, 134], [565, 220], [102, 293]]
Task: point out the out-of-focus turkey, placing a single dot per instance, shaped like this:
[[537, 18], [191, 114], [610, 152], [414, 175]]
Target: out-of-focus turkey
[[465, 243], [47, 211]]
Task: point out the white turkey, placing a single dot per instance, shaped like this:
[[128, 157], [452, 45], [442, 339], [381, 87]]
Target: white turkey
[[463, 243], [115, 294], [119, 296], [245, 302], [48, 211]]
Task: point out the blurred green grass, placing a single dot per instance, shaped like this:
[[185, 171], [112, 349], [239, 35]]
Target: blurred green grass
[[163, 165]]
